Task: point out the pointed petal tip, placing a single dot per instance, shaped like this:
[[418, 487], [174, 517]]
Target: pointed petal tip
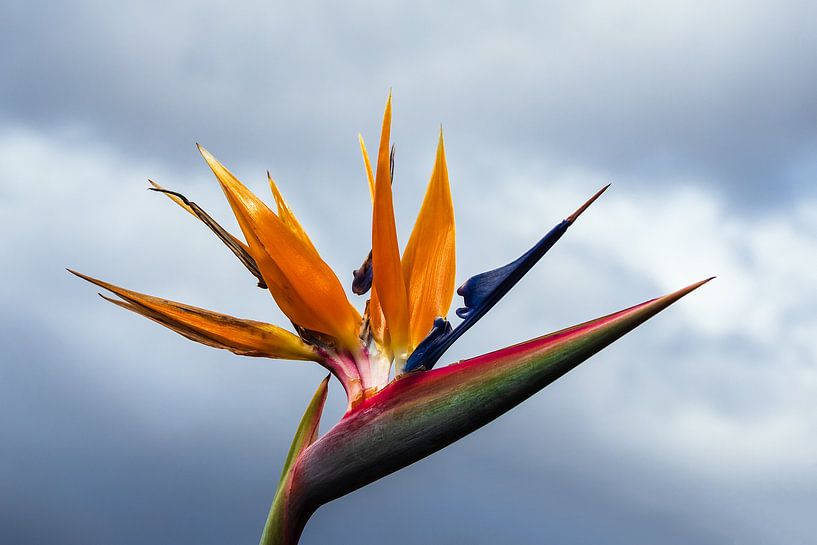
[[387, 113], [91, 279], [574, 216], [204, 153], [78, 274], [208, 157], [97, 282]]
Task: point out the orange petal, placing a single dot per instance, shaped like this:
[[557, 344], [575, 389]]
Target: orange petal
[[244, 337], [286, 215], [388, 280], [302, 284], [429, 260], [368, 165]]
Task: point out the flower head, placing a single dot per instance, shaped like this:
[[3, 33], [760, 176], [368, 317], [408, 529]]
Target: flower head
[[384, 355]]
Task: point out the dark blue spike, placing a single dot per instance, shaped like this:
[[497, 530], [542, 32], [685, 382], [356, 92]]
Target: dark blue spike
[[477, 289], [441, 330], [481, 292]]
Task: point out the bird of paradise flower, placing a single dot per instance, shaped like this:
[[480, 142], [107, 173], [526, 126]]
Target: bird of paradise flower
[[400, 409]]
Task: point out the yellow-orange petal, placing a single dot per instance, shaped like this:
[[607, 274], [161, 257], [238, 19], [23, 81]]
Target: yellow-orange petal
[[286, 215], [368, 165], [387, 280], [429, 260], [244, 337], [303, 285]]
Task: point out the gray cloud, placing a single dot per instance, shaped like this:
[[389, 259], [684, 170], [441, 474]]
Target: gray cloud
[[649, 92]]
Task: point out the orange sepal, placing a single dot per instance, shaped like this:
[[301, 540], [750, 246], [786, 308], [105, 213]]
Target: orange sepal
[[304, 286], [244, 337], [388, 281], [429, 260]]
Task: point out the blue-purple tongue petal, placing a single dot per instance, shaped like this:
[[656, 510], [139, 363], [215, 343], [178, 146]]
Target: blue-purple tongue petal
[[439, 332], [481, 292]]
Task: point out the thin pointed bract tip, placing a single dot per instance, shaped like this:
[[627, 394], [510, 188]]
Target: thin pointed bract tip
[[704, 281], [574, 216], [688, 289]]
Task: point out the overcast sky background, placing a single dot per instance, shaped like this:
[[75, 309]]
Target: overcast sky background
[[699, 427]]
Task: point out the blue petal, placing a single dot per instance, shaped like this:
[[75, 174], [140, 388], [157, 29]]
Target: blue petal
[[439, 333], [481, 292]]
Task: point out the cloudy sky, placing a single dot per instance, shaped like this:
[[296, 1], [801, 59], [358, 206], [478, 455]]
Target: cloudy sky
[[700, 427]]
